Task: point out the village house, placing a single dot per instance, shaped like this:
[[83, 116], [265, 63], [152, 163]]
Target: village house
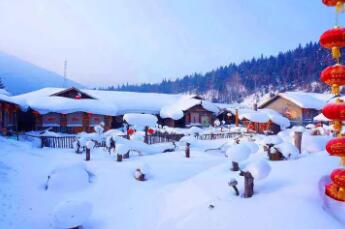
[[8, 114], [298, 107], [72, 110]]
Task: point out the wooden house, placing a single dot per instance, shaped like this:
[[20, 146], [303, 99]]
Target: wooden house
[[298, 107], [73, 110], [8, 115]]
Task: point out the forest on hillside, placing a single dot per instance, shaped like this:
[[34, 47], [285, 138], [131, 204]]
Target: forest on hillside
[[297, 69]]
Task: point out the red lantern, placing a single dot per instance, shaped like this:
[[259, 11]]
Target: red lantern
[[335, 192], [130, 131], [336, 147], [333, 2], [78, 96], [150, 131], [338, 177], [334, 76], [335, 111], [334, 39]]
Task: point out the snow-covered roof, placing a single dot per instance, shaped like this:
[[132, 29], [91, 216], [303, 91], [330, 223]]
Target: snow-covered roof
[[9, 99], [255, 116], [4, 92], [304, 99], [111, 102], [140, 120]]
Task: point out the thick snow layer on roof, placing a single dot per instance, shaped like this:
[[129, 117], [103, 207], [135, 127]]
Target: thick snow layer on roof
[[277, 118], [112, 103], [307, 100], [9, 99], [140, 120], [255, 116], [175, 110], [4, 92]]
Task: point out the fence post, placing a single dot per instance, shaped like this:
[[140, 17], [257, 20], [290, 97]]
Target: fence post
[[188, 150], [298, 140]]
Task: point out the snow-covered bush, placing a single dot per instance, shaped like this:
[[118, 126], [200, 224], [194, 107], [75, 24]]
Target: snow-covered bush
[[71, 214], [70, 178], [254, 148], [142, 172], [99, 129], [216, 123]]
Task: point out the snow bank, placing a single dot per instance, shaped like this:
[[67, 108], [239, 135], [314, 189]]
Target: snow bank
[[314, 144], [71, 213], [70, 178]]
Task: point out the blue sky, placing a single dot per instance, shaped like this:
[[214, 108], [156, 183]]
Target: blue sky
[[118, 41]]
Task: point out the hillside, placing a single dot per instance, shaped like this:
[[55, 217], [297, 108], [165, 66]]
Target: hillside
[[19, 76], [291, 70]]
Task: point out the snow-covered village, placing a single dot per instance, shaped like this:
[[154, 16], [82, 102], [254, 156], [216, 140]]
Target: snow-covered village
[[127, 114]]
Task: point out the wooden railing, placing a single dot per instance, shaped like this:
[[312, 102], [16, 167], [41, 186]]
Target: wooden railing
[[159, 137], [66, 142]]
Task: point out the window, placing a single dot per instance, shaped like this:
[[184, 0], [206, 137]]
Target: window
[[96, 119], [75, 119], [51, 120]]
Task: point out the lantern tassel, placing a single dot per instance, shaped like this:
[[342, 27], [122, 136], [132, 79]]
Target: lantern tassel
[[339, 7], [342, 161], [335, 89], [336, 54]]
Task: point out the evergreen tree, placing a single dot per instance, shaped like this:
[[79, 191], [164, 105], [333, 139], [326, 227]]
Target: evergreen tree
[[2, 85]]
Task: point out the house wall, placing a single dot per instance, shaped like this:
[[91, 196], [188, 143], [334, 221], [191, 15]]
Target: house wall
[[197, 115], [8, 117], [73, 122], [287, 109]]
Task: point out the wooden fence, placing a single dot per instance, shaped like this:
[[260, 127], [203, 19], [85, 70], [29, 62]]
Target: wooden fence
[[66, 142], [58, 142], [159, 137]]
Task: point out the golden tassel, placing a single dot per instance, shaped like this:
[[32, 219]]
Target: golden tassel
[[335, 89], [336, 54], [342, 161], [339, 7], [337, 126]]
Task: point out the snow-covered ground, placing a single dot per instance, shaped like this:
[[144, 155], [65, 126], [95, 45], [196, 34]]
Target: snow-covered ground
[[177, 194]]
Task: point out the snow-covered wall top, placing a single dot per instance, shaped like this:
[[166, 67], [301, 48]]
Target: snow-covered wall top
[[110, 102]]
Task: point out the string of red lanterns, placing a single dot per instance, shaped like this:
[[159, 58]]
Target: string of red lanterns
[[334, 76]]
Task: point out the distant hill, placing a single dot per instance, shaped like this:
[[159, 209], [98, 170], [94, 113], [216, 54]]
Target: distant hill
[[297, 69], [19, 76]]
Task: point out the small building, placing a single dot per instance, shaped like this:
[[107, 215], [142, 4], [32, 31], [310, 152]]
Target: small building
[[73, 110], [298, 107], [8, 114]]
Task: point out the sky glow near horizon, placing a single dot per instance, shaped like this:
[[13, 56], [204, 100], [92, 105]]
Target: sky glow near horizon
[[110, 42]]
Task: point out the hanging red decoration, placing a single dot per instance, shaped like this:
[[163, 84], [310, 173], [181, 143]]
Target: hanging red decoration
[[130, 131], [334, 39], [338, 177], [78, 96], [335, 111], [333, 2], [336, 147], [335, 192], [334, 76], [150, 131]]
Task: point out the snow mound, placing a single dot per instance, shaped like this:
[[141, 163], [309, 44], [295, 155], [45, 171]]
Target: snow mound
[[121, 149], [259, 169], [140, 121], [252, 146], [314, 144], [71, 178], [71, 213], [288, 150], [274, 139], [238, 153]]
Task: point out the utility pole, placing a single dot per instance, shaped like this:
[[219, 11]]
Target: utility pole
[[64, 74]]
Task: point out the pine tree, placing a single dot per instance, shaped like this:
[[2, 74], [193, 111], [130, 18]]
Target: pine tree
[[2, 85]]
